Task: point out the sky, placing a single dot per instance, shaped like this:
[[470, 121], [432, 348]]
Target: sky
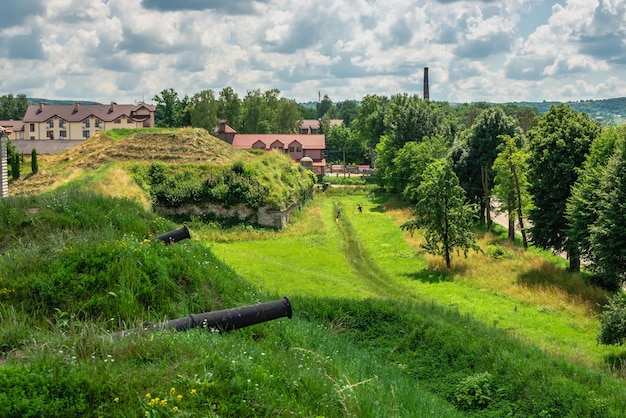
[[128, 51]]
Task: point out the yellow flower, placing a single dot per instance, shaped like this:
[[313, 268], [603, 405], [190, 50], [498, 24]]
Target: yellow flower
[[179, 398], [147, 413], [175, 409], [173, 390], [148, 396], [116, 399], [193, 391], [164, 402]]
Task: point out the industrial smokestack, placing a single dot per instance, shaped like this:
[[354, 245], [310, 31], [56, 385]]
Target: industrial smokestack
[[426, 93]]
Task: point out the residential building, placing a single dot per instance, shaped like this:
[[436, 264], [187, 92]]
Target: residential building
[[78, 122], [297, 146], [13, 129], [312, 126]]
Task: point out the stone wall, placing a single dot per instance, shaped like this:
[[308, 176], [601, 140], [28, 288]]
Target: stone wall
[[271, 216], [46, 146]]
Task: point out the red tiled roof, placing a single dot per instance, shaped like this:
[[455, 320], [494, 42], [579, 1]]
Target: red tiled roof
[[245, 141], [315, 123], [79, 112]]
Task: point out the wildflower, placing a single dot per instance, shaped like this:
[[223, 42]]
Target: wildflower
[[193, 391], [147, 413], [116, 400], [163, 402], [179, 398], [148, 395], [173, 390], [175, 409]]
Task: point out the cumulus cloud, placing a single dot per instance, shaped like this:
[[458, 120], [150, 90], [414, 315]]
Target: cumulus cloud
[[502, 50]]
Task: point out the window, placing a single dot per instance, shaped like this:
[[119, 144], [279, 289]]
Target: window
[[86, 133], [291, 149], [298, 149], [129, 120], [50, 134], [118, 120], [32, 127], [97, 123], [62, 134], [50, 123], [61, 123], [86, 125]]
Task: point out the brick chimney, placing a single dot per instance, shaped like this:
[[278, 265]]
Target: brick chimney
[[426, 92], [76, 107]]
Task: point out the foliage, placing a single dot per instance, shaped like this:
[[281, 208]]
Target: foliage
[[342, 146], [442, 214], [511, 182], [475, 152], [203, 110], [369, 124], [171, 111], [558, 146], [269, 179], [13, 107], [613, 321], [608, 231], [34, 165], [589, 198], [474, 392]]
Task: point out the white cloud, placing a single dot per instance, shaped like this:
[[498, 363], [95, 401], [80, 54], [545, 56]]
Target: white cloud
[[497, 51]]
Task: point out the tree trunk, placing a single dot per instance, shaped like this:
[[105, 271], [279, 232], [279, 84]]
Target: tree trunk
[[574, 260], [511, 235], [520, 218], [487, 196]]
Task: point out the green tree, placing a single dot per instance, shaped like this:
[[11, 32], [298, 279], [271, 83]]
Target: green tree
[[286, 118], [229, 107], [511, 183], [613, 321], [13, 108], [34, 165], [203, 110], [582, 206], [369, 124], [169, 109], [558, 146], [15, 161], [409, 118], [475, 153], [410, 162], [442, 213], [324, 107], [608, 232], [343, 146]]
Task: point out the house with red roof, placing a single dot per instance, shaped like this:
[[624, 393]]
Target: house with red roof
[[13, 129], [297, 146], [81, 121]]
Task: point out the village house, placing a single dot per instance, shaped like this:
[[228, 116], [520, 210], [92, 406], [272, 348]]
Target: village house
[[297, 146], [78, 122], [312, 126], [13, 129]]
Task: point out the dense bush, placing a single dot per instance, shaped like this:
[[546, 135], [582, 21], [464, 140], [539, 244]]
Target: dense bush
[[270, 179], [613, 321]]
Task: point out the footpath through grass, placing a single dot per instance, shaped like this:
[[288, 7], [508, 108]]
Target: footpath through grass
[[365, 254]]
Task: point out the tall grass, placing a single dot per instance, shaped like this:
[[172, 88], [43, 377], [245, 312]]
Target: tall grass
[[373, 334]]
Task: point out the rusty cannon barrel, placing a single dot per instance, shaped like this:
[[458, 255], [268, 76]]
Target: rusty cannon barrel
[[227, 319], [175, 235]]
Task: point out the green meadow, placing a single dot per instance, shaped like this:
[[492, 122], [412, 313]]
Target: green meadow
[[379, 329]]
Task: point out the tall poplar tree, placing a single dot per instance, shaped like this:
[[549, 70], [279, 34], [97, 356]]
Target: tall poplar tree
[[558, 146]]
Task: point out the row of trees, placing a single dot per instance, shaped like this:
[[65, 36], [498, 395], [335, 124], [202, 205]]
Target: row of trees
[[13, 107]]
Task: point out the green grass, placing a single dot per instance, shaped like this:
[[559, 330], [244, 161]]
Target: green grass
[[378, 329]]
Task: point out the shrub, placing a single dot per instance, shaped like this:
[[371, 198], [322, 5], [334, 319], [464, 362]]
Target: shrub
[[474, 392], [613, 321], [33, 161]]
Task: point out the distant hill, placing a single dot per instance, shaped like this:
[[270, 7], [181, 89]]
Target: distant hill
[[608, 111], [37, 100]]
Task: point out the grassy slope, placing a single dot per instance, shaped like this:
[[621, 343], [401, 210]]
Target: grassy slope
[[493, 291]]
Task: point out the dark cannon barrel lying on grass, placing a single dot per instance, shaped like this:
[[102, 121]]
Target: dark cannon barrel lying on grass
[[225, 320], [175, 235]]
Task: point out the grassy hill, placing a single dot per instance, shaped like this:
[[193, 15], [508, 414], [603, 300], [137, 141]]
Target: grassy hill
[[379, 329]]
